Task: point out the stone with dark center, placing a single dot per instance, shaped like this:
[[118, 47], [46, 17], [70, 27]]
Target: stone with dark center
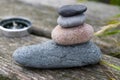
[[72, 21], [52, 55], [71, 36], [71, 10]]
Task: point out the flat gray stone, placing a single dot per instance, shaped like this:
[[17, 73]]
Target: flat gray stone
[[72, 21], [52, 55], [71, 10]]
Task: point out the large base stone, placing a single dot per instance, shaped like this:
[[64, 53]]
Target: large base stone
[[52, 55]]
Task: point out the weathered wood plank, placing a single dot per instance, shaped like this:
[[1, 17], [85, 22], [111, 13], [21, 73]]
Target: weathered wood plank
[[15, 71], [7, 47], [43, 16], [93, 72]]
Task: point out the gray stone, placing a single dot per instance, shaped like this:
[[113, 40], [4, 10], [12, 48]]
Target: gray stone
[[52, 55], [71, 10], [73, 21]]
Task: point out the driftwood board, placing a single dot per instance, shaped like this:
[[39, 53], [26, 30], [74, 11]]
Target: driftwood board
[[14, 71], [44, 16]]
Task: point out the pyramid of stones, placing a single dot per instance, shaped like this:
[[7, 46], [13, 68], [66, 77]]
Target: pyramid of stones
[[70, 45], [72, 28]]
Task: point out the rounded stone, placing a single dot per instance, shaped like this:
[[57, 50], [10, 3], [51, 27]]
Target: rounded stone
[[70, 36], [71, 10], [52, 55], [71, 21]]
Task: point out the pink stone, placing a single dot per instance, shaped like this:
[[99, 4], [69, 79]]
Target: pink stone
[[70, 36]]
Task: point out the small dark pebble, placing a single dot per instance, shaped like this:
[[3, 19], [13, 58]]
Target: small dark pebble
[[71, 10]]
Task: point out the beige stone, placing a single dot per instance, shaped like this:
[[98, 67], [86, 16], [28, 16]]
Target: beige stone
[[70, 36]]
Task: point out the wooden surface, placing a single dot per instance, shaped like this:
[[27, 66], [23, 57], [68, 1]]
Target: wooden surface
[[43, 18], [13, 70]]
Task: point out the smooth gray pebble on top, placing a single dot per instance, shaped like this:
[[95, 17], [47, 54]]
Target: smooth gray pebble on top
[[52, 55], [71, 10]]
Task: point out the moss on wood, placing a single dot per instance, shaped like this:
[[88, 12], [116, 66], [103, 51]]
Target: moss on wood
[[4, 78]]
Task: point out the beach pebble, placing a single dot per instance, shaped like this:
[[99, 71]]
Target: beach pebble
[[71, 21], [71, 10], [52, 55], [71, 36]]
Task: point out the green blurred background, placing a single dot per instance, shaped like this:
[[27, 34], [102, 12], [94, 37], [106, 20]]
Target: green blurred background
[[114, 2]]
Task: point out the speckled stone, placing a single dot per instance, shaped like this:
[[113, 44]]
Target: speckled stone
[[71, 21], [70, 36], [52, 55], [71, 10]]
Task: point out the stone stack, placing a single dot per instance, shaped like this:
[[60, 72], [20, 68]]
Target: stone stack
[[70, 45], [72, 28]]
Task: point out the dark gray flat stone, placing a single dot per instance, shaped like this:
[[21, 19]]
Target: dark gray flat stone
[[71, 10], [51, 55]]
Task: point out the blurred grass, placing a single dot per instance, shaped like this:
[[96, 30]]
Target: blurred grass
[[108, 30], [110, 34], [113, 2], [81, 0], [117, 54], [109, 73], [4, 78], [111, 65]]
